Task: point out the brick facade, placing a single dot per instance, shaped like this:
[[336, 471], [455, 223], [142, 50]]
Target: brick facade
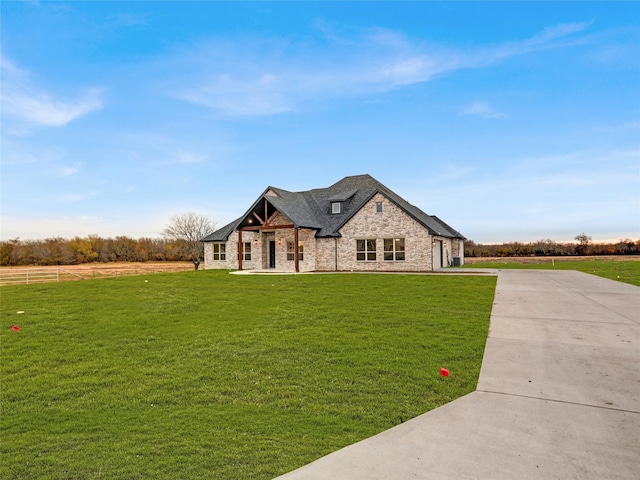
[[260, 249], [340, 254], [391, 222]]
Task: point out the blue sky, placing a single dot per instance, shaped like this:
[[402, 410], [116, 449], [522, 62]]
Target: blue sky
[[510, 121]]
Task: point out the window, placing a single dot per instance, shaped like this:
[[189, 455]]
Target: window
[[336, 207], [219, 252], [379, 207], [291, 251], [394, 248], [366, 249], [246, 251]]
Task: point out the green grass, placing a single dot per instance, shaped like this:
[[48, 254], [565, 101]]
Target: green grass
[[210, 375], [627, 271]]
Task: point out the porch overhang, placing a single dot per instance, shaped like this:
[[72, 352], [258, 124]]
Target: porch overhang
[[259, 219]]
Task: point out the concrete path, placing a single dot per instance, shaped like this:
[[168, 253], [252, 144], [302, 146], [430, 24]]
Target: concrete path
[[558, 395]]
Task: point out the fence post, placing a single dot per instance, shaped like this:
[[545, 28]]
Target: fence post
[[58, 274], [27, 276]]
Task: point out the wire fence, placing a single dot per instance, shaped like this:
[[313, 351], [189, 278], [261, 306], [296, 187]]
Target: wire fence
[[36, 275]]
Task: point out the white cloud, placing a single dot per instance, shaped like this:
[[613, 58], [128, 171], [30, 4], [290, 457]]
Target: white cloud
[[23, 101], [551, 37], [129, 19], [253, 96], [410, 70], [77, 197], [483, 109], [457, 172], [41, 109], [557, 31], [67, 171], [554, 196], [186, 156], [257, 77]]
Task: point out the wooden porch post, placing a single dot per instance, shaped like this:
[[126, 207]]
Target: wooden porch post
[[239, 249], [296, 248]]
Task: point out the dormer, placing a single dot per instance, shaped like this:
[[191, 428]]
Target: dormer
[[337, 204]]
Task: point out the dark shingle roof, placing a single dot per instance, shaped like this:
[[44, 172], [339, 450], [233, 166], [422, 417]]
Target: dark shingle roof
[[312, 208], [222, 234]]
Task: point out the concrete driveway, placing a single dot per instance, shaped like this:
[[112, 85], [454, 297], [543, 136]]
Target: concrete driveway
[[558, 394]]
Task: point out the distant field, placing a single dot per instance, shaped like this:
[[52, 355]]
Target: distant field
[[210, 375], [623, 268], [86, 271]]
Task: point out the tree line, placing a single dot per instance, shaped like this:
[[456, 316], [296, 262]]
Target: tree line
[[174, 248], [547, 247], [93, 248], [180, 243]]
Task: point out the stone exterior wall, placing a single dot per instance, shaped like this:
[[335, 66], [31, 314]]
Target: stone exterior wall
[[392, 222], [210, 263], [326, 254], [260, 249], [340, 254], [457, 249], [282, 238], [231, 262]]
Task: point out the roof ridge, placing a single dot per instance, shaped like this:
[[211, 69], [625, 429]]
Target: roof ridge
[[311, 208]]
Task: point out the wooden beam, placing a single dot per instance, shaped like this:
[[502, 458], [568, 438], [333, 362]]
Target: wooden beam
[[275, 214], [296, 249], [240, 250], [262, 222], [265, 227], [279, 227], [266, 210]]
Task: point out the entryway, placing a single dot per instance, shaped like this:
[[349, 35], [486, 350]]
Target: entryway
[[272, 254]]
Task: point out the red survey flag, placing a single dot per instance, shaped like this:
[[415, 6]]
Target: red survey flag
[[15, 328], [444, 372]]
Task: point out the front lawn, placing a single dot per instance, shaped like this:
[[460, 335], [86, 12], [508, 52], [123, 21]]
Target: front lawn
[[211, 375]]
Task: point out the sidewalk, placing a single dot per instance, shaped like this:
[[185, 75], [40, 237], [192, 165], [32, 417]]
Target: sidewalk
[[558, 394]]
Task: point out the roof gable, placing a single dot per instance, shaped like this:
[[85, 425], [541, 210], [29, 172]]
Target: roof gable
[[312, 208]]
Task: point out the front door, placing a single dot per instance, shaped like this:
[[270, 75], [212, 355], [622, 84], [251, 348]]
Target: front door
[[272, 254]]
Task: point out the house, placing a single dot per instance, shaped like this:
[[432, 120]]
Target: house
[[357, 224]]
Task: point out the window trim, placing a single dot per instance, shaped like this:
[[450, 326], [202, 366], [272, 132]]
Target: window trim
[[291, 253], [394, 253], [367, 254], [336, 208], [221, 252], [246, 252]]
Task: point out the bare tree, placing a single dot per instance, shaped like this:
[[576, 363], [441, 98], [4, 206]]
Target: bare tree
[[583, 243], [188, 230]]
